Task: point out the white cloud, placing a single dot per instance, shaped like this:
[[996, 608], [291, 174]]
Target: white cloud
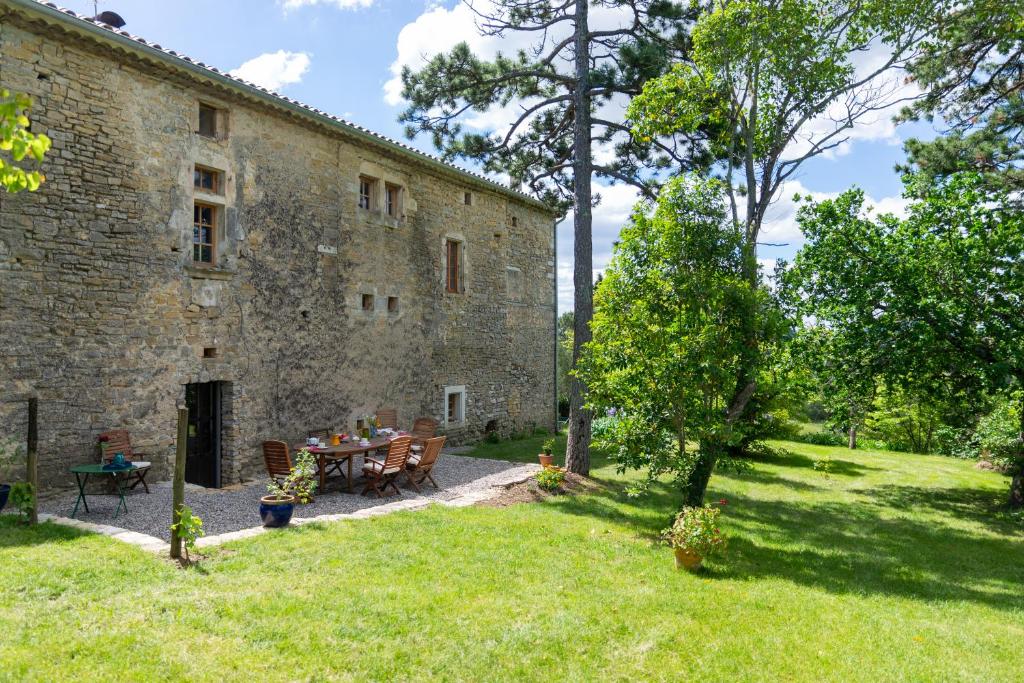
[[289, 5], [273, 70]]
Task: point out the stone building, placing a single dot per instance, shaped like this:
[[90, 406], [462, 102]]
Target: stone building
[[202, 239]]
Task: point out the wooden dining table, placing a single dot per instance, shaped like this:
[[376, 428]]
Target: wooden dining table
[[346, 450]]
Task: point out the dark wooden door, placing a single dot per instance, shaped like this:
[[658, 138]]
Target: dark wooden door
[[202, 463]]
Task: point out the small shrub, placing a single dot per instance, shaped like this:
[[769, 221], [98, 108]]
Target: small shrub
[[548, 447], [22, 499], [302, 481], [189, 528], [695, 529], [492, 437], [824, 465], [822, 439], [550, 479]]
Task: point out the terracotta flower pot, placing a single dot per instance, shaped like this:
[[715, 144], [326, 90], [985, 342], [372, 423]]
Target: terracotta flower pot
[[687, 560], [546, 460]]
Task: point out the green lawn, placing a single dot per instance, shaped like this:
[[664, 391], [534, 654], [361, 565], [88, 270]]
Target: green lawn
[[895, 567]]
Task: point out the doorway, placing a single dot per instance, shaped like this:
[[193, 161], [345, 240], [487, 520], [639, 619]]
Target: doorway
[[202, 460]]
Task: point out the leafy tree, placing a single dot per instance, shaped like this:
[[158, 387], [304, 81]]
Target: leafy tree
[[669, 333], [568, 88], [19, 142], [778, 81], [939, 296], [973, 72]]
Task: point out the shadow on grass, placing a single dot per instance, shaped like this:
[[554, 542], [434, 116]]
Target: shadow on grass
[[851, 548], [767, 478], [786, 458], [984, 506], [14, 532]]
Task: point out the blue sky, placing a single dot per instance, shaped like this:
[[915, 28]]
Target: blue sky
[[342, 56]]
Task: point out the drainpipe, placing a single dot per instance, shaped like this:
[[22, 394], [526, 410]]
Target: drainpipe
[[554, 308]]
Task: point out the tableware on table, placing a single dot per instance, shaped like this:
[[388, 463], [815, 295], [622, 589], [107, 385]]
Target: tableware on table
[[336, 439], [312, 441]]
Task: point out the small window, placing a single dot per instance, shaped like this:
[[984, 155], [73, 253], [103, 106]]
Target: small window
[[393, 200], [455, 405], [467, 199], [514, 283], [453, 274], [392, 304], [367, 190], [367, 302], [204, 233], [207, 121], [515, 221], [207, 180], [210, 352]]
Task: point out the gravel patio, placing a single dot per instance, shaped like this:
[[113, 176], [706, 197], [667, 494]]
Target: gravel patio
[[236, 508]]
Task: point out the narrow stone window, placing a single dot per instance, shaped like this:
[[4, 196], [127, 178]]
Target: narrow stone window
[[210, 352], [453, 273], [204, 233], [392, 304], [367, 302], [207, 180], [467, 199], [367, 190], [514, 283], [515, 221], [393, 200], [455, 405], [207, 121]]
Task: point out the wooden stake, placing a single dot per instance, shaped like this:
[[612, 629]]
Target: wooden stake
[[32, 475], [179, 479]]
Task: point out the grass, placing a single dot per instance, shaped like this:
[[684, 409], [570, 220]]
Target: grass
[[895, 567]]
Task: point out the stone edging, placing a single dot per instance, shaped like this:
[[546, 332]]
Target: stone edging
[[460, 496]]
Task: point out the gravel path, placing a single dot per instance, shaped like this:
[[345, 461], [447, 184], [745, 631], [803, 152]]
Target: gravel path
[[236, 508]]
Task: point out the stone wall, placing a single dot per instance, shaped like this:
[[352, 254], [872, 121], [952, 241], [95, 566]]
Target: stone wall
[[104, 315]]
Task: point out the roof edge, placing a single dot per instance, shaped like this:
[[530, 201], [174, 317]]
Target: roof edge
[[200, 71]]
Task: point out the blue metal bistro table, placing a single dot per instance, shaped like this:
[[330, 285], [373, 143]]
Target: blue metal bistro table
[[82, 474]]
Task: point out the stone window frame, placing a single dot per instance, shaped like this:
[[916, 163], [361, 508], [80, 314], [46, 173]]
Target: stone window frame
[[217, 178], [450, 391], [514, 293], [219, 202], [213, 229], [219, 123], [372, 191], [393, 206], [461, 274]]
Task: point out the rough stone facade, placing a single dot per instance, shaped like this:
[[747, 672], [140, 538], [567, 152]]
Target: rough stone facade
[[104, 315]]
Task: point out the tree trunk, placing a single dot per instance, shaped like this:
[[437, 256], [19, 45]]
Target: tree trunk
[[577, 453], [697, 483], [853, 437]]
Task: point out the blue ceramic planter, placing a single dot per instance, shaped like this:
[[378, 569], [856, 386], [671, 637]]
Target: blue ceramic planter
[[276, 514], [5, 490]]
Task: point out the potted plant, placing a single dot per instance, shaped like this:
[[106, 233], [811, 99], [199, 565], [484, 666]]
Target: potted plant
[[694, 536], [546, 457], [277, 506]]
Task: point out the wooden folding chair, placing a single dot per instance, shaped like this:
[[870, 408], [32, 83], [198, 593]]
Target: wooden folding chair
[[419, 465], [380, 474], [424, 428], [118, 441], [324, 434], [277, 458]]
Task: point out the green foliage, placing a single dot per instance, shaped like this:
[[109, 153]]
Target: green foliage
[[824, 465], [12, 460], [998, 433], [548, 447], [550, 479], [19, 142], [564, 359], [189, 529], [696, 529], [822, 438], [22, 498], [302, 482], [493, 437], [671, 316]]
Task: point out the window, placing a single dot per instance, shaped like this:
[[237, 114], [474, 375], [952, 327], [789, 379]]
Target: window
[[367, 302], [204, 231], [392, 304], [207, 180], [393, 200], [367, 190], [453, 274], [514, 283], [467, 199], [515, 221], [207, 121], [455, 405]]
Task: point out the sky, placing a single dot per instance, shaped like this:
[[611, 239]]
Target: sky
[[344, 57]]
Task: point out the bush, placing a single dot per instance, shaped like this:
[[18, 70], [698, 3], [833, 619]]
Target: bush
[[822, 439], [696, 529], [550, 479], [189, 528], [997, 434]]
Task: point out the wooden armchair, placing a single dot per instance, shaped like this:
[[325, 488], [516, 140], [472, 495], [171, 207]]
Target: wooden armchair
[[324, 434], [380, 474], [118, 441], [423, 429], [419, 465], [277, 458]]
